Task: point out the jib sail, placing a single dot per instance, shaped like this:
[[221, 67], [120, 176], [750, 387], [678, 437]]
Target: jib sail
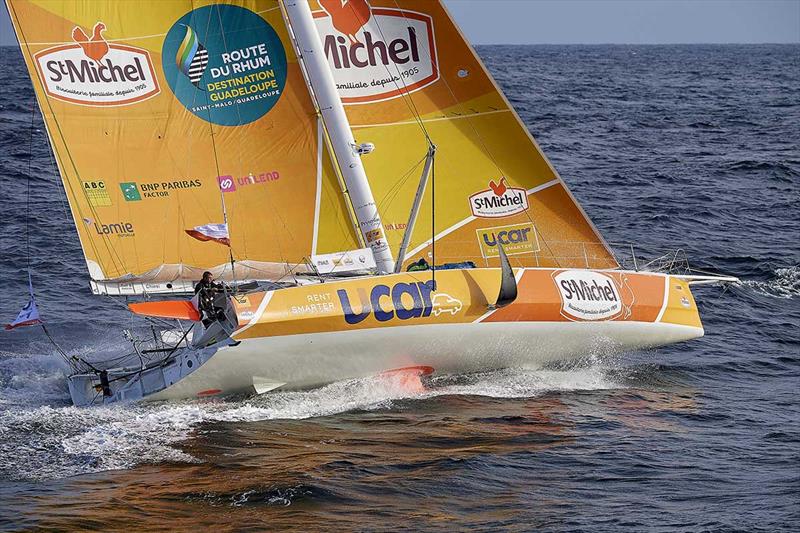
[[406, 75], [185, 136]]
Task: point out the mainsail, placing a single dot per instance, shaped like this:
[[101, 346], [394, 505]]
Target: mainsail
[[169, 116], [188, 140], [408, 78]]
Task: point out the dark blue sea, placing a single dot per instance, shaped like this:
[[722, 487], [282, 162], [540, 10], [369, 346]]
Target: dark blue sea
[[691, 148]]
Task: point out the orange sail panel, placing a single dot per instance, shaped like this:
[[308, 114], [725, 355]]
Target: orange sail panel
[[178, 309], [407, 75], [158, 112]]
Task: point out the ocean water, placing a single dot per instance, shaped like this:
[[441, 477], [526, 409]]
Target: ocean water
[[695, 148]]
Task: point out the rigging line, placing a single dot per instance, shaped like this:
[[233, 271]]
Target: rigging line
[[186, 174], [392, 194], [238, 155], [58, 348], [106, 240], [277, 213], [546, 245], [319, 119], [404, 92], [433, 220], [189, 152], [337, 170], [332, 159], [62, 194], [460, 104], [394, 190], [28, 194]]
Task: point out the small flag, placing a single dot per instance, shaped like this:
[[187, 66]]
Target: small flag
[[211, 232], [29, 316]]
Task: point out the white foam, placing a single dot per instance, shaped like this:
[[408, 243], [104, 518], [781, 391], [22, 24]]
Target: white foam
[[784, 284], [32, 380], [44, 441]]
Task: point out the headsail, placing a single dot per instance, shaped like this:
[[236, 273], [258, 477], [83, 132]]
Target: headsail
[[153, 118], [407, 77]]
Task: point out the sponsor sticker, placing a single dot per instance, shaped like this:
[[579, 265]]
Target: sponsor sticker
[[229, 184], [516, 239], [226, 183], [444, 303], [399, 301], [119, 229], [315, 304], [349, 261], [376, 53], [373, 235], [587, 295], [498, 201], [225, 64], [93, 72], [96, 193], [130, 191], [134, 191]]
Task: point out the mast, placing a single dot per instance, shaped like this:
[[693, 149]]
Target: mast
[[348, 154]]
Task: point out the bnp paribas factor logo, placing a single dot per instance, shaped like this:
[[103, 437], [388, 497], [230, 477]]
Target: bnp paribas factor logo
[[225, 64], [130, 191]]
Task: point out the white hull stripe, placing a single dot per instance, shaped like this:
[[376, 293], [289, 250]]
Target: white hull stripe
[[487, 314], [666, 299], [257, 316]]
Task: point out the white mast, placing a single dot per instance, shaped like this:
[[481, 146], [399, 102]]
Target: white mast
[[344, 146]]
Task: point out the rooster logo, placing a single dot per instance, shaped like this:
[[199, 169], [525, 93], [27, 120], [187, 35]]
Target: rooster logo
[[498, 188], [95, 47], [347, 16], [192, 57]]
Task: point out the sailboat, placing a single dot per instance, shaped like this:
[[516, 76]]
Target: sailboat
[[353, 174]]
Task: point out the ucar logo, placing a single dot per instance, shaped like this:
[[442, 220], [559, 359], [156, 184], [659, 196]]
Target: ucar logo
[[587, 295], [498, 201], [402, 300], [376, 53], [515, 239], [94, 72]]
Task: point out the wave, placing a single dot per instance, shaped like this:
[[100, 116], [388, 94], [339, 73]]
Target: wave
[[48, 442], [785, 283]]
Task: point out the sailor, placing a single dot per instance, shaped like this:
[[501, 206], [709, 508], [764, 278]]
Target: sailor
[[205, 290]]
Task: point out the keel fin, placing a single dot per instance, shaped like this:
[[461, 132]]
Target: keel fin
[[508, 283]]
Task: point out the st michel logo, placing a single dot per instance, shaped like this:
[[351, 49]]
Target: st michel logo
[[376, 53], [94, 72]]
